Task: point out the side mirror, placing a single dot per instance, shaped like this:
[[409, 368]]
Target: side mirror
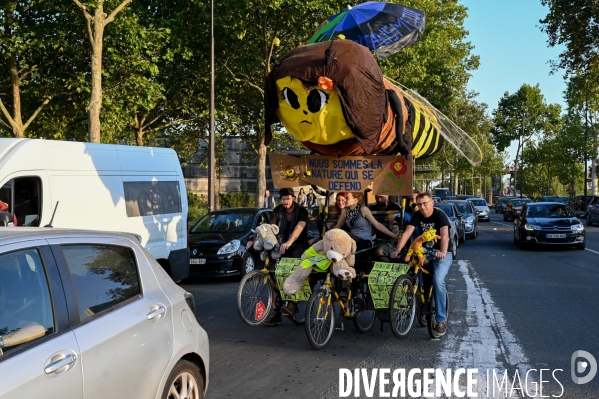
[[460, 215]]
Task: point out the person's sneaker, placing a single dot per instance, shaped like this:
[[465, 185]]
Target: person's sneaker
[[275, 319], [441, 328], [290, 310]]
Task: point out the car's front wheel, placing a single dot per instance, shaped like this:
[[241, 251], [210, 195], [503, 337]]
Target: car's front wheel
[[185, 381], [454, 251], [247, 264]]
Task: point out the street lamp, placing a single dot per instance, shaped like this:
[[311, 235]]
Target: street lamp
[[211, 162]]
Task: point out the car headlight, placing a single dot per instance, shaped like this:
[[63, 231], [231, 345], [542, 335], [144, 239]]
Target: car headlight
[[577, 227], [230, 247], [531, 227], [469, 219]]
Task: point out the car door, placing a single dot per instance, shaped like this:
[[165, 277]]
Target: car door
[[121, 317], [40, 357]]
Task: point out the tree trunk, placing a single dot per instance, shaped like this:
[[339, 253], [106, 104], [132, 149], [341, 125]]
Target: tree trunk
[[261, 175], [95, 103], [216, 189], [17, 125], [95, 32], [139, 136]]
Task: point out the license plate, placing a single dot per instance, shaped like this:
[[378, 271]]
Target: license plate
[[197, 261], [556, 236]]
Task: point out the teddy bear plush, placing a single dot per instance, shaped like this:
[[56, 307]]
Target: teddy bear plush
[[266, 237], [416, 255], [334, 251]]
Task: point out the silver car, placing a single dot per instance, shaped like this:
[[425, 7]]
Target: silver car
[[482, 208], [453, 231], [92, 315]]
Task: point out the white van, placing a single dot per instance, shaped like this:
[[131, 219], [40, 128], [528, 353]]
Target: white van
[[102, 187]]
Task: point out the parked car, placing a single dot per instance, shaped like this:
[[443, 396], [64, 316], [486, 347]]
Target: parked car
[[580, 204], [482, 209], [464, 196], [592, 214], [87, 314], [454, 234], [501, 203], [458, 224], [436, 199], [513, 208], [548, 223], [217, 242], [468, 212]]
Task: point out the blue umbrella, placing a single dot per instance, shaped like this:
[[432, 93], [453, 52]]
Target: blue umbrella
[[385, 28]]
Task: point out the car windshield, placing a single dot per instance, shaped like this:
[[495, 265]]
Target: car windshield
[[448, 209], [479, 202], [463, 207], [225, 222], [506, 200], [553, 211]]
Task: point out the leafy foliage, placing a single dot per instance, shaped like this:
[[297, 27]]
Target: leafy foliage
[[575, 24]]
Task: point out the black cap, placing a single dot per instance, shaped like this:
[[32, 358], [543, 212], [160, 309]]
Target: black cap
[[286, 191]]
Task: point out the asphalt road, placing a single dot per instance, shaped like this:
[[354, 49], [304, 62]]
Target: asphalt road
[[513, 313]]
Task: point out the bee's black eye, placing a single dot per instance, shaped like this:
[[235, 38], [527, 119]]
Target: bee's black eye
[[316, 100], [290, 97]]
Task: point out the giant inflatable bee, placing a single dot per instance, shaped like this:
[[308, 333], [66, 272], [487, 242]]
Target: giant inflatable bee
[[333, 98]]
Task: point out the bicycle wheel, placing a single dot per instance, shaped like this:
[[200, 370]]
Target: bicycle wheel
[[320, 318], [254, 298], [431, 321], [363, 317], [402, 306]]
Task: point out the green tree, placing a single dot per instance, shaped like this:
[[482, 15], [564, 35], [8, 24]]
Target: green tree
[[95, 25], [38, 60], [574, 24], [520, 117]]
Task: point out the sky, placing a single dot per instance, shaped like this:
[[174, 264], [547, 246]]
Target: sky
[[506, 35], [513, 50]]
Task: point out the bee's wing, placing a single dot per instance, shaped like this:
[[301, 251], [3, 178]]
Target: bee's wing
[[463, 143]]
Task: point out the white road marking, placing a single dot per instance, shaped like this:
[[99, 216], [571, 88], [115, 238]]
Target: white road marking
[[487, 343], [592, 251], [503, 224]]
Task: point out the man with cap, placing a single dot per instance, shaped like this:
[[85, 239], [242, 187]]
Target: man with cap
[[291, 218]]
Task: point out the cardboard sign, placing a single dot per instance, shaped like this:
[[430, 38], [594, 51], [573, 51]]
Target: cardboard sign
[[391, 175], [285, 267], [381, 280]]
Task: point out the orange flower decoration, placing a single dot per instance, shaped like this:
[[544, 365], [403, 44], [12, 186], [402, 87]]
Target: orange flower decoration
[[325, 83], [398, 167]]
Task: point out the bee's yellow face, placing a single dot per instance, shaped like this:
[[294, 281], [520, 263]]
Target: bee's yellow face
[[313, 115]]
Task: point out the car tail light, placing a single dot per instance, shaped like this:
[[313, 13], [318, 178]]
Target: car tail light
[[190, 302]]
